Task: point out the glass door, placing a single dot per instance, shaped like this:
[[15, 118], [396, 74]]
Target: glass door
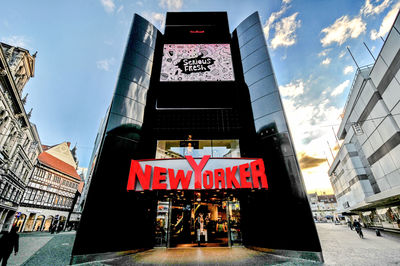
[[233, 214], [161, 230]]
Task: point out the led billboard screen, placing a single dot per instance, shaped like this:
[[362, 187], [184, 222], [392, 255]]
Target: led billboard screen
[[197, 62]]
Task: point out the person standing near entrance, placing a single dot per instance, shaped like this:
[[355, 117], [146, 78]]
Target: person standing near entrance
[[8, 242]]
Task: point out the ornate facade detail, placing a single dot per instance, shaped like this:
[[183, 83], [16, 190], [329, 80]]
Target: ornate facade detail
[[17, 134]]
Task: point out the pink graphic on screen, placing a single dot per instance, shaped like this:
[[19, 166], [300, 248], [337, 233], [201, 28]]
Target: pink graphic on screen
[[197, 62]]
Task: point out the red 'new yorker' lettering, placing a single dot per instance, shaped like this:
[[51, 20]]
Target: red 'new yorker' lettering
[[250, 174]]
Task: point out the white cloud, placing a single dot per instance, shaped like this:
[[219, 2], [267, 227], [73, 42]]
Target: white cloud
[[342, 29], [386, 23], [139, 3], [342, 53], [324, 52], [171, 4], [348, 69], [326, 61], [369, 9], [274, 16], [105, 64], [16, 40], [292, 89], [308, 123], [285, 31], [120, 8], [158, 19], [108, 5], [286, 2], [340, 88]]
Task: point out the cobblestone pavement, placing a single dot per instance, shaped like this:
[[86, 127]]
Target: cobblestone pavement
[[341, 246], [43, 249]]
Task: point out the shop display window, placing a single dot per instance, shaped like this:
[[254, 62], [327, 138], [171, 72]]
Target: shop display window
[[198, 148]]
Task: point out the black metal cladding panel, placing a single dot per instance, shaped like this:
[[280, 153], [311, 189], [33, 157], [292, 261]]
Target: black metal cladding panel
[[226, 120], [252, 46], [211, 27], [262, 87], [135, 74], [128, 107], [257, 72], [130, 95], [137, 60], [129, 89], [219, 19], [266, 122], [247, 23], [249, 34], [266, 105], [255, 58], [286, 187]]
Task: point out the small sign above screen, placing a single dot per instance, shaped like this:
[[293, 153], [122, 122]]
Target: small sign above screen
[[197, 62]]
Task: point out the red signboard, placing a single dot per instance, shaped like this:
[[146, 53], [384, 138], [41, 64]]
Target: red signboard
[[197, 174]]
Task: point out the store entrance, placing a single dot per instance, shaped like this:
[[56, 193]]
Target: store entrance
[[198, 219]]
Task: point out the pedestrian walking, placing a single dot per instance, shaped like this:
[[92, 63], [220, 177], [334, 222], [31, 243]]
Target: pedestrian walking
[[52, 228], [357, 226], [8, 242], [350, 225]]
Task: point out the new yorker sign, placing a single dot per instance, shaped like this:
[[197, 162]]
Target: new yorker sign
[[196, 174]]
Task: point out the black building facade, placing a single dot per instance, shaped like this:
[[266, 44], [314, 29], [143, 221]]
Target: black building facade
[[196, 91]]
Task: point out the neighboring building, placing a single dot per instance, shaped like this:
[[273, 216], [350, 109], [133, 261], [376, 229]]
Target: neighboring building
[[92, 163], [52, 191], [19, 140], [365, 174], [323, 206], [195, 91]]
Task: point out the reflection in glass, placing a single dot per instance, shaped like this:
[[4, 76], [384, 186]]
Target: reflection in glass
[[258, 72], [250, 34], [254, 59], [234, 222], [251, 46], [161, 228], [262, 87], [247, 23], [266, 105], [197, 148]]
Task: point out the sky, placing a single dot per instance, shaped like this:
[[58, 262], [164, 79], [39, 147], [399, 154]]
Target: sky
[[80, 45]]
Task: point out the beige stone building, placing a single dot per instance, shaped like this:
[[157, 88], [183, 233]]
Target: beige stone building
[[19, 140]]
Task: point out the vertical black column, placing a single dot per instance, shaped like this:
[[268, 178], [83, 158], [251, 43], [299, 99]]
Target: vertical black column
[[281, 217], [113, 219]]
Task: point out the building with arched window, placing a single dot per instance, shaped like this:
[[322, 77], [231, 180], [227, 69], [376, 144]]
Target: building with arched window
[[52, 191], [19, 140]]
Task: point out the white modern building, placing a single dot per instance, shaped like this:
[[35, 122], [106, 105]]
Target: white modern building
[[365, 174]]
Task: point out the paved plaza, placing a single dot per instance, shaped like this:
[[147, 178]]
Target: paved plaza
[[340, 245]]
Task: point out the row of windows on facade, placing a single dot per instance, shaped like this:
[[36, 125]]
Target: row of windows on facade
[[18, 169], [56, 178], [41, 197], [9, 192], [13, 135]]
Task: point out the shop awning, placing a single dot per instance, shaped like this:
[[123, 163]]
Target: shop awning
[[366, 213], [381, 211]]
